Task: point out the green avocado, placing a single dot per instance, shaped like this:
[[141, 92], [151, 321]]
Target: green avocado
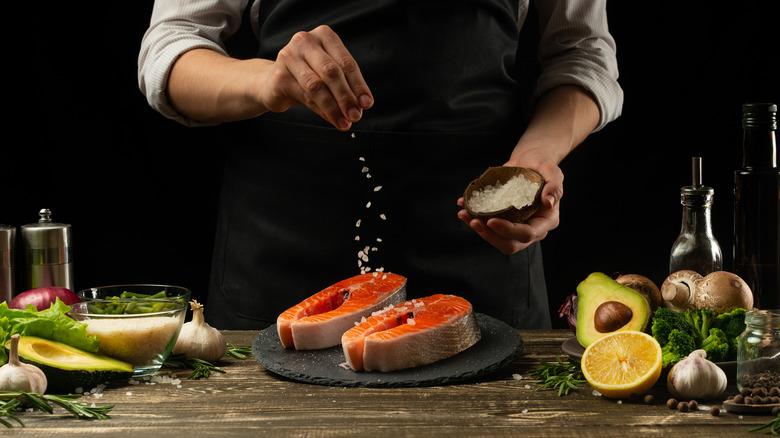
[[67, 368], [605, 306]]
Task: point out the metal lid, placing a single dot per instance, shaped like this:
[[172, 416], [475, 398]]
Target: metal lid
[[46, 234]]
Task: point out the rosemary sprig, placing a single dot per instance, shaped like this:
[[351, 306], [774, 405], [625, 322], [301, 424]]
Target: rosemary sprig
[[201, 368], [774, 426], [564, 375], [11, 400], [238, 352]]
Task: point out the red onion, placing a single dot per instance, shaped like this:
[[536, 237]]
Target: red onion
[[43, 297], [568, 310]]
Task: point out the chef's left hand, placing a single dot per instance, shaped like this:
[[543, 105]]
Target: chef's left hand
[[511, 237]]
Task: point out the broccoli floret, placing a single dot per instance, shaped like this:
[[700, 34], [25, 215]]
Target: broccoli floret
[[680, 344], [716, 345], [733, 324], [701, 320], [664, 321]]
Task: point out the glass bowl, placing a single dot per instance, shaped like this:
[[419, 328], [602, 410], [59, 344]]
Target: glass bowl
[[139, 331], [164, 291]]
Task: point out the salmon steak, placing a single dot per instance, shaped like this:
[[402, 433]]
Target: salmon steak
[[319, 321], [412, 333]]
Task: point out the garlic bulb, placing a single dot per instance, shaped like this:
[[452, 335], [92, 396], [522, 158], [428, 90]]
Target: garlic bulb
[[695, 377], [199, 340], [18, 376]]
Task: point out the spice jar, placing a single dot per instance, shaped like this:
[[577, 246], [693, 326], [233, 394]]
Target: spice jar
[[758, 350]]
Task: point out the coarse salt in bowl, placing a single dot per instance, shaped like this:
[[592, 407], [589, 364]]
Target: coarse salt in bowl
[[141, 332]]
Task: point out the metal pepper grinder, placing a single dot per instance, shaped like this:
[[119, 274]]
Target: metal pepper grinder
[[48, 253], [7, 265]]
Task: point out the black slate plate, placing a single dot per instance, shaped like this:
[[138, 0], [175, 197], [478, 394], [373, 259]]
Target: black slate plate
[[573, 348], [500, 344]]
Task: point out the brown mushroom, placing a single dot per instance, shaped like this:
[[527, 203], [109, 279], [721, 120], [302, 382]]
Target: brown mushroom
[[644, 286], [723, 291], [679, 289]]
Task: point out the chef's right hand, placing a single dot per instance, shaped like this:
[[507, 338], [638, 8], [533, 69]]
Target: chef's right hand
[[315, 69]]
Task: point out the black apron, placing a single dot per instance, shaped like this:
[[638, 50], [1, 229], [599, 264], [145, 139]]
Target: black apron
[[304, 205]]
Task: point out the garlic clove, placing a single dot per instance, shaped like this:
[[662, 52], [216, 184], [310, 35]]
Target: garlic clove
[[199, 340], [18, 376]]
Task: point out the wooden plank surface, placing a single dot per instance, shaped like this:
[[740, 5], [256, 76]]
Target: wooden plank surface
[[249, 401]]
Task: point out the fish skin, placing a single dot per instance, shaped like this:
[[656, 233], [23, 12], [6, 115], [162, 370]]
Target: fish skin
[[443, 325], [319, 321]]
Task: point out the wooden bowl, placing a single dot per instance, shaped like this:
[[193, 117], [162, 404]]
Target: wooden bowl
[[501, 175]]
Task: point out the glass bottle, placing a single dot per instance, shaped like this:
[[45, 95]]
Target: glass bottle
[[758, 350], [757, 206], [696, 248]]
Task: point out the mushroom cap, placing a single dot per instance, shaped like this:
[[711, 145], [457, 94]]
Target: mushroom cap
[[723, 291], [644, 286], [679, 288]]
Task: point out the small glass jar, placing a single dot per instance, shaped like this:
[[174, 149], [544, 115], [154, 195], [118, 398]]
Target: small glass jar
[[758, 354]]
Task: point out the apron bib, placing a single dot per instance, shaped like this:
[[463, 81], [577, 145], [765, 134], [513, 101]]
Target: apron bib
[[304, 205]]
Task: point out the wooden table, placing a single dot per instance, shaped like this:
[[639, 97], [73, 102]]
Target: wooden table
[[249, 401]]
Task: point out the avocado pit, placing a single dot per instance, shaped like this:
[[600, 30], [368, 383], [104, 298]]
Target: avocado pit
[[611, 315]]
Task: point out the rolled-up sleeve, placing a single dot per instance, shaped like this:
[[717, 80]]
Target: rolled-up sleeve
[[176, 27], [577, 49]]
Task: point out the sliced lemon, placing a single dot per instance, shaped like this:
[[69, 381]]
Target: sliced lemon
[[622, 363]]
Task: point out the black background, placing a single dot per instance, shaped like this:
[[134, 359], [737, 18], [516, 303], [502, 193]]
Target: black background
[[140, 191]]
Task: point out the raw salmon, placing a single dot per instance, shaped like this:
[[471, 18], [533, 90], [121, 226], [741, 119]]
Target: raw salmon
[[410, 334], [320, 320]]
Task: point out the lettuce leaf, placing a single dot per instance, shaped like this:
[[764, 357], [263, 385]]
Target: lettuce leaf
[[52, 323]]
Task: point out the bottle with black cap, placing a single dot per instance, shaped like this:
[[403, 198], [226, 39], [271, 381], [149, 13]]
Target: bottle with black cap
[[757, 206]]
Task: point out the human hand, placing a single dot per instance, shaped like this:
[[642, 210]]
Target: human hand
[[315, 69], [511, 237]]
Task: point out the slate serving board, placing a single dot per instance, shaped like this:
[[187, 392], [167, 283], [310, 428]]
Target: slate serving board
[[500, 344]]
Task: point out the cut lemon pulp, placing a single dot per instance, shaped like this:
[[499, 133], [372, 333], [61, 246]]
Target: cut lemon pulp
[[622, 363]]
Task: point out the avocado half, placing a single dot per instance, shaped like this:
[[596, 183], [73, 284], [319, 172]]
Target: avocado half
[[600, 300], [67, 368]]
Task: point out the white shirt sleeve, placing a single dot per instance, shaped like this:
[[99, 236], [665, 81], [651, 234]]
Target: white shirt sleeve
[[176, 27], [576, 48]]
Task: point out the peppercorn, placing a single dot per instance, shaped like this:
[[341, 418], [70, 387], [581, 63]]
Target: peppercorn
[[776, 410], [683, 406], [693, 405], [715, 411], [671, 403], [759, 392], [746, 392], [775, 391], [748, 400], [649, 399], [739, 399]]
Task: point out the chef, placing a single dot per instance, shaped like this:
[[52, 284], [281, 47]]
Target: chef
[[358, 126]]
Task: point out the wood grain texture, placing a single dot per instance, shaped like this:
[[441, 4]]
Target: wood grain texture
[[249, 401]]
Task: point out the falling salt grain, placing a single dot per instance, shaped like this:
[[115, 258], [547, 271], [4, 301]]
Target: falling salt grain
[[362, 159], [377, 188], [353, 135], [357, 224], [379, 239], [368, 205], [357, 238], [364, 169], [383, 217]]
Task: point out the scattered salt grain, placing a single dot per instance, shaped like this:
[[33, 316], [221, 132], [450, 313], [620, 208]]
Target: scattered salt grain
[[344, 365], [517, 376], [410, 321], [620, 402], [527, 386], [128, 393], [525, 411], [596, 393], [79, 390]]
